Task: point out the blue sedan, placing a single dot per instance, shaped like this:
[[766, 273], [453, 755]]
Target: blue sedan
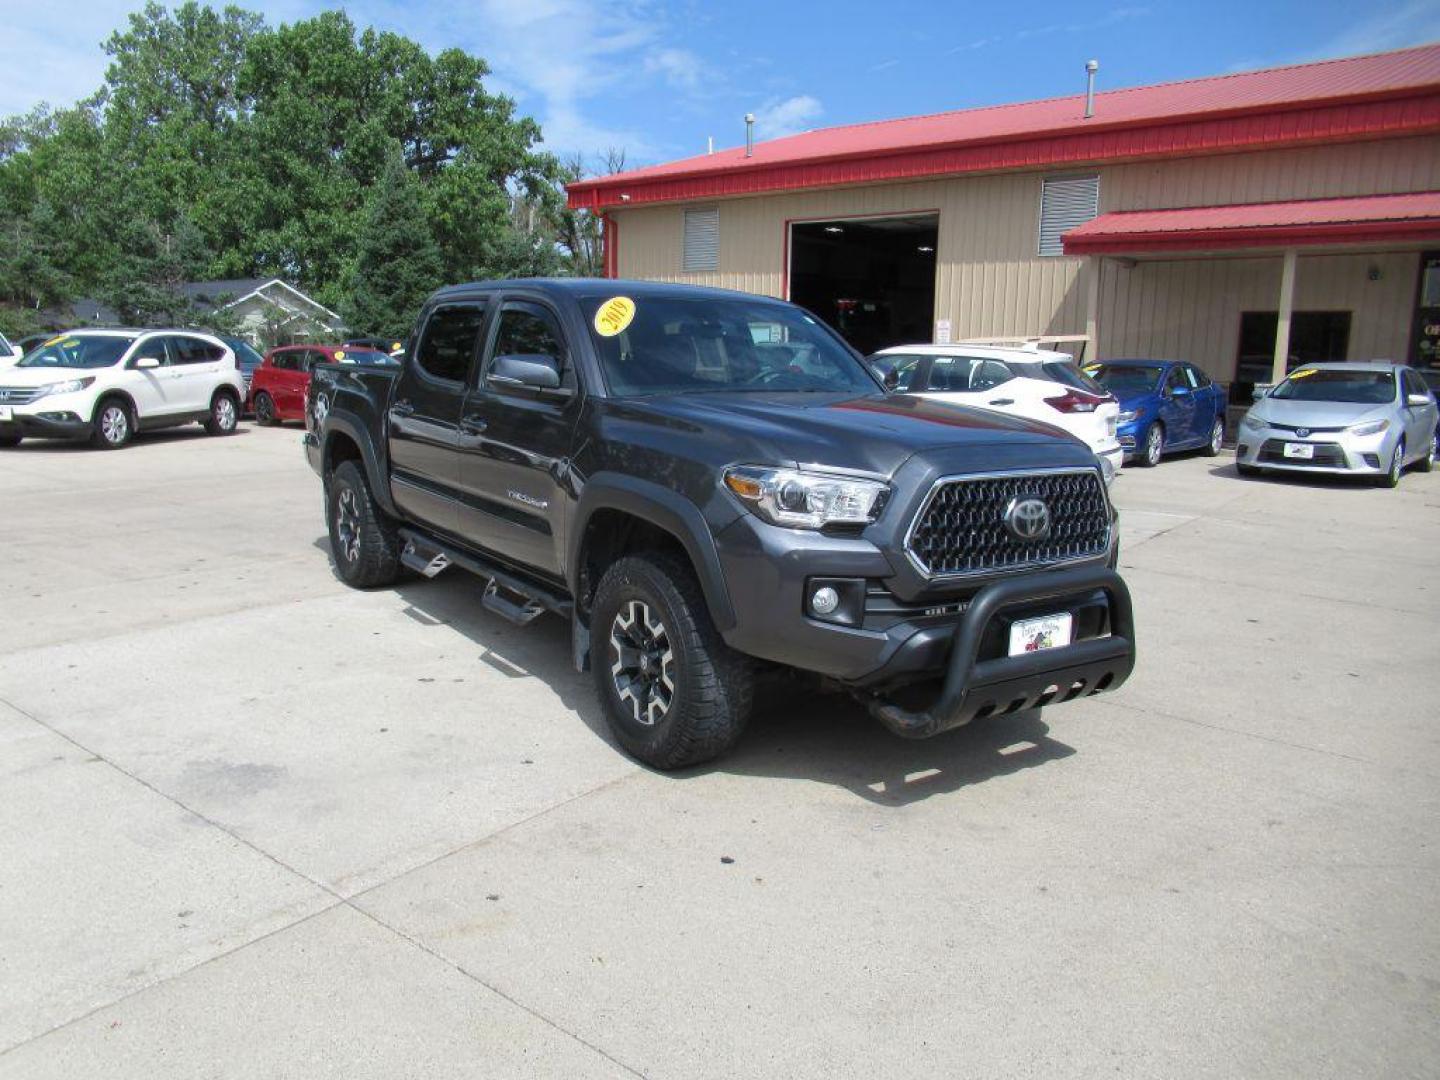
[[1165, 406]]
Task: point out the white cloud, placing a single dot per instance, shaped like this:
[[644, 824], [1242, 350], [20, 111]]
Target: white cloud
[[776, 119], [681, 68], [1415, 23]]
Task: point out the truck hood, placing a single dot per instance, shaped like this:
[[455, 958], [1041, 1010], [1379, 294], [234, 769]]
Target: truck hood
[[874, 433]]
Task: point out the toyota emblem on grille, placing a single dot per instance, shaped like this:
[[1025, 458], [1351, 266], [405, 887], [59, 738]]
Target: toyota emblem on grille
[[1303, 432], [1028, 518]]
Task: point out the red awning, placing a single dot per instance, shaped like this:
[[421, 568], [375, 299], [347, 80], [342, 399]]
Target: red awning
[[1366, 219]]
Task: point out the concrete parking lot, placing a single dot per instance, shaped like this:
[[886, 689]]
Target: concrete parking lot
[[253, 823]]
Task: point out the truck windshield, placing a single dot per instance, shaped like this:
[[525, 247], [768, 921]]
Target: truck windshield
[[77, 351], [664, 344]]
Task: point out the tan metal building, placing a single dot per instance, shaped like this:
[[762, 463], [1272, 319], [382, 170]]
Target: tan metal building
[[1022, 220]]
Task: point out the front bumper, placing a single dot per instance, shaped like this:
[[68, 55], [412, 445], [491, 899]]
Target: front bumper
[[907, 633], [1334, 452], [975, 688], [48, 423]]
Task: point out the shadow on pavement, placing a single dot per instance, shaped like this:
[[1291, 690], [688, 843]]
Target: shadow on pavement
[[796, 733], [141, 440]]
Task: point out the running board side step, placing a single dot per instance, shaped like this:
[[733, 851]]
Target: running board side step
[[508, 595]]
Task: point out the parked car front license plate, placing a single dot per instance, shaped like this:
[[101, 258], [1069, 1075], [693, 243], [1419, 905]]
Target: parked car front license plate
[[6, 412], [1299, 450], [1045, 632]]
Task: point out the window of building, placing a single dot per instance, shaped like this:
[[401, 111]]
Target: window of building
[[702, 239], [449, 341], [1064, 205]]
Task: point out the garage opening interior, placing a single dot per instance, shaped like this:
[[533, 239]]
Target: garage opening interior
[[871, 279]]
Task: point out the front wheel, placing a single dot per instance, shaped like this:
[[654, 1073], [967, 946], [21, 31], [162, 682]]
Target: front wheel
[[364, 542], [1426, 463], [673, 692], [224, 414], [114, 425], [8, 441], [1391, 479], [264, 409], [1217, 438], [1152, 447]]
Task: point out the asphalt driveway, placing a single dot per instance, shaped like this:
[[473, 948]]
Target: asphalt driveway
[[253, 823]]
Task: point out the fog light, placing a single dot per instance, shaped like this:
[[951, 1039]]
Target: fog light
[[824, 600]]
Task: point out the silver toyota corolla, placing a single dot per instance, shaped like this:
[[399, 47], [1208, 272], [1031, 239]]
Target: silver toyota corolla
[[1355, 419]]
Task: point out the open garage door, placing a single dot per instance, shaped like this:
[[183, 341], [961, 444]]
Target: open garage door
[[873, 279]]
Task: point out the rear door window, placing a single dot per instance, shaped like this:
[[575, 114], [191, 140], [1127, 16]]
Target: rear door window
[[448, 344], [189, 350], [1063, 371]]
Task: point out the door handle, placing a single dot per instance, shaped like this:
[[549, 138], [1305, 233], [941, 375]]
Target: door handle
[[1002, 401], [473, 425], [400, 410]]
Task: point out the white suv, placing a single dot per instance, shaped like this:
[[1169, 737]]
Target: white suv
[[1030, 382], [105, 385]]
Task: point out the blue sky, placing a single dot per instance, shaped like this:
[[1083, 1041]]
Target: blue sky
[[657, 79]]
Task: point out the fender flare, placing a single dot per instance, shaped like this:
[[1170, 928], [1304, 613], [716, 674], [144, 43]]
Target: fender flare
[[347, 424], [667, 509]]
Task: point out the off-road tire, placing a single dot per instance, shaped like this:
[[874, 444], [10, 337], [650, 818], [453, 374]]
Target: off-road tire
[[368, 557], [105, 434], [1214, 446], [264, 409], [1146, 456], [1391, 477], [714, 686], [224, 413]]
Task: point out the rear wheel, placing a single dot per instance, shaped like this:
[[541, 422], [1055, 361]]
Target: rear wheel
[[674, 693], [1152, 446], [1217, 438], [114, 425], [264, 408], [1391, 479], [363, 540], [224, 413]]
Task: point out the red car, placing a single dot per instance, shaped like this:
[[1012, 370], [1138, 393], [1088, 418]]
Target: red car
[[278, 387]]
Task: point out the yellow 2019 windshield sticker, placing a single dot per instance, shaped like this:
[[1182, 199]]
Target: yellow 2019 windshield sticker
[[614, 315], [1303, 373], [339, 355]]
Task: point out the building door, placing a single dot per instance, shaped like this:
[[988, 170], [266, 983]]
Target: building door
[[1316, 337], [1425, 341], [872, 279]]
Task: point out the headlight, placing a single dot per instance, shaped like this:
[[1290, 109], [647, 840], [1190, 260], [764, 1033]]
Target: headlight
[[69, 386], [804, 500], [1374, 427], [1127, 416], [1253, 423]]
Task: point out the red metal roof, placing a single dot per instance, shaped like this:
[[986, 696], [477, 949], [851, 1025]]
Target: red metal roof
[[1249, 225], [1358, 97]]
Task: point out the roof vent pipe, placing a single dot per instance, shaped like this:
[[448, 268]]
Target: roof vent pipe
[[749, 134], [1091, 66]]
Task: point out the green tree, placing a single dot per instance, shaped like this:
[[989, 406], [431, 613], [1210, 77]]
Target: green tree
[[398, 262]]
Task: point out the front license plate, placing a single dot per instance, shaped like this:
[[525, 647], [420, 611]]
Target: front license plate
[[1299, 450], [6, 413], [1036, 635]]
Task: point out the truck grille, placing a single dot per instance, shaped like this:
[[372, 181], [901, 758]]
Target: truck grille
[[19, 395], [961, 528]]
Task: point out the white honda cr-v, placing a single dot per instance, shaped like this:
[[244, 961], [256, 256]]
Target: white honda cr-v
[[105, 385]]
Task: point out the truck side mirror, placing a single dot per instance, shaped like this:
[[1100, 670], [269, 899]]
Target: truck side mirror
[[533, 370], [146, 363], [1417, 399]]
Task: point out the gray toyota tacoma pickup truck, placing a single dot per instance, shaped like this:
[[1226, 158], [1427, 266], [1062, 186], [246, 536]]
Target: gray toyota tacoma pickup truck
[[708, 484]]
